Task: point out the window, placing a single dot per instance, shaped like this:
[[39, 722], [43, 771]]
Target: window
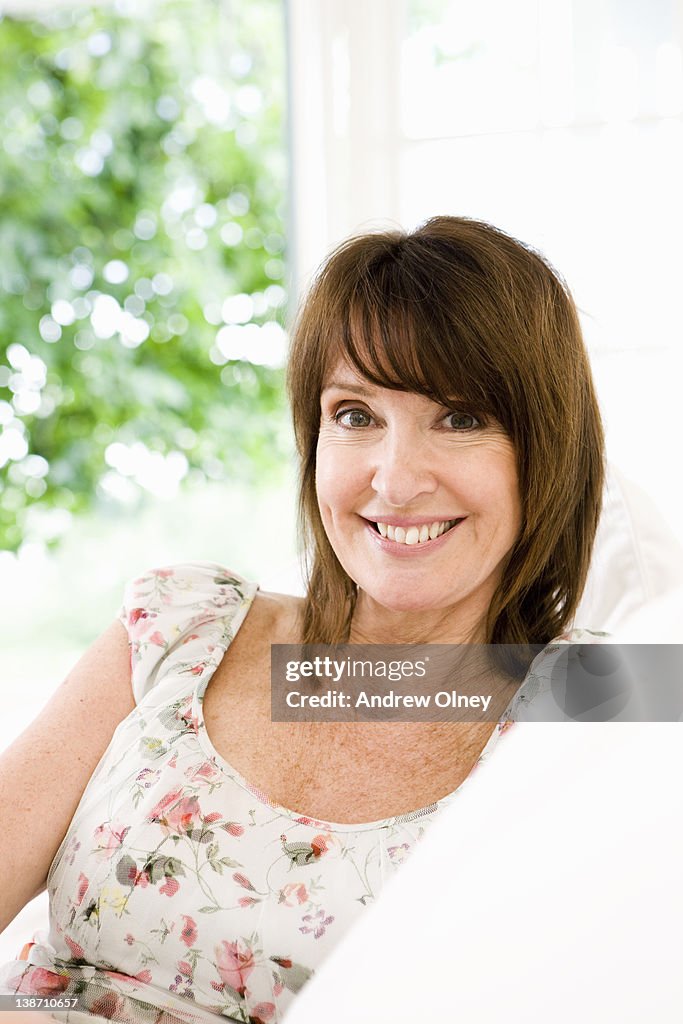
[[560, 122]]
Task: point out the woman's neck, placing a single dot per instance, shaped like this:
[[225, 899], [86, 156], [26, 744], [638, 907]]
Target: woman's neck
[[372, 623]]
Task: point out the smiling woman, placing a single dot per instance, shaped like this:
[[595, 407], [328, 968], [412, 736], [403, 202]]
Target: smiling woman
[[200, 857], [434, 376]]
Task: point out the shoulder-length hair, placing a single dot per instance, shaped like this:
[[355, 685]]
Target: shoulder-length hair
[[459, 308]]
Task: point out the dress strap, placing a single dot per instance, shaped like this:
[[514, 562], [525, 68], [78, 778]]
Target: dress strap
[[162, 608]]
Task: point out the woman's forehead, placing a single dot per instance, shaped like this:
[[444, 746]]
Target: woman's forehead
[[344, 376], [341, 374]]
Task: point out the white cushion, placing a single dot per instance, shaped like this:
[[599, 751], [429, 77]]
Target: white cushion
[[636, 559]]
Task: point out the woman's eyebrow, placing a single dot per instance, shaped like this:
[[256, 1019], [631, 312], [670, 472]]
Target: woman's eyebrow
[[367, 391], [342, 385]]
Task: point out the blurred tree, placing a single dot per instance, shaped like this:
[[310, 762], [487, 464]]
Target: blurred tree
[[143, 182]]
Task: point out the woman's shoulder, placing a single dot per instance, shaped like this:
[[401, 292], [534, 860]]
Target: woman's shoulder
[[275, 617]]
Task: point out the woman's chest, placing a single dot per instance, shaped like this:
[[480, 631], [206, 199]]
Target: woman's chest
[[347, 772]]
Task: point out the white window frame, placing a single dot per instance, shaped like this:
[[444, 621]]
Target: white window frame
[[344, 122]]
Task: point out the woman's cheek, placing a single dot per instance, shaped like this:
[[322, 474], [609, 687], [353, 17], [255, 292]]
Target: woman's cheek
[[327, 475], [340, 476]]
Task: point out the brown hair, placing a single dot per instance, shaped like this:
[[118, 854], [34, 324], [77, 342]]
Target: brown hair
[[459, 308]]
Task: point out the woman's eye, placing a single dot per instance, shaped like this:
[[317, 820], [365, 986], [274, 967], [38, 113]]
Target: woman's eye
[[462, 421], [352, 418]]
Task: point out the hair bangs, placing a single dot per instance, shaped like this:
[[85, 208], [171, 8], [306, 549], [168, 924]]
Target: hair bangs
[[393, 335]]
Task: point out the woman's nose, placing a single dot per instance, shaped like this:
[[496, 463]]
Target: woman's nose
[[403, 472]]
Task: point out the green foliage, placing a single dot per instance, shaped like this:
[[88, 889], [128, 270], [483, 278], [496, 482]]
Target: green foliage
[[143, 177]]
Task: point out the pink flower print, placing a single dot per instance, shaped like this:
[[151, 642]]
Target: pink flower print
[[129, 939], [243, 881], [206, 772], [293, 894], [397, 854], [261, 1013], [301, 853], [321, 845], [318, 923], [303, 820], [234, 964], [170, 887], [142, 879], [233, 829], [82, 888], [109, 838], [166, 801], [110, 1006], [184, 713], [40, 982], [130, 868], [77, 952], [185, 968], [176, 814], [163, 573], [193, 636], [139, 621], [188, 934], [247, 901], [157, 638]]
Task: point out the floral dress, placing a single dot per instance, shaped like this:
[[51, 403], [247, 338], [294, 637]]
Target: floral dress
[[180, 891]]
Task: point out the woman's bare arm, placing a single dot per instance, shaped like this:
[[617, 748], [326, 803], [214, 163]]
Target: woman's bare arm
[[44, 772]]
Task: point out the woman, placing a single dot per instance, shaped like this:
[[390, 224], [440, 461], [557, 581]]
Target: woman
[[451, 473]]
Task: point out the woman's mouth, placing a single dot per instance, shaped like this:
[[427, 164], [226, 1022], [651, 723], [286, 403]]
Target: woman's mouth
[[412, 536]]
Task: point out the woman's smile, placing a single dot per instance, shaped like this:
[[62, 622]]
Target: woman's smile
[[403, 538]]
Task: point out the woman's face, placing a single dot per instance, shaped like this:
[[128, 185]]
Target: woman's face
[[403, 461]]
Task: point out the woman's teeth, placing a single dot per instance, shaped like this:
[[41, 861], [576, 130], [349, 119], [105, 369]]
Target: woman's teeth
[[415, 534]]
